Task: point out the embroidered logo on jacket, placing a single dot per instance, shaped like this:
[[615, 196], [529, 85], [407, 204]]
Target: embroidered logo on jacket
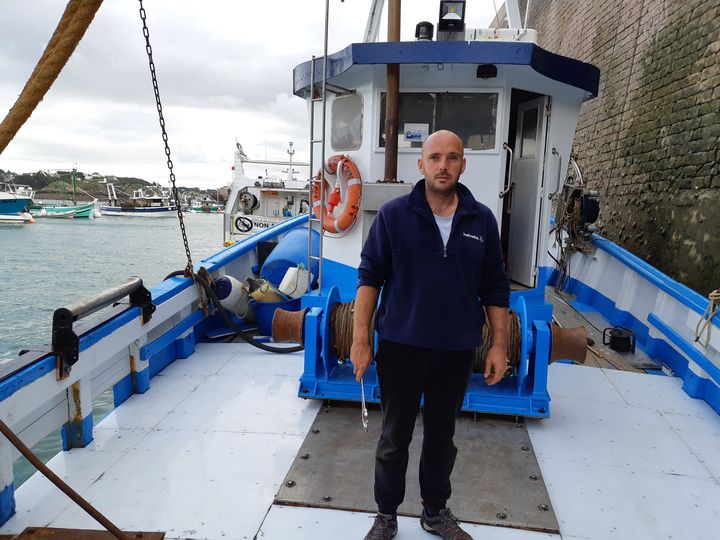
[[474, 237]]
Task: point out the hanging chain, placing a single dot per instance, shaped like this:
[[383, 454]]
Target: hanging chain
[[176, 196]]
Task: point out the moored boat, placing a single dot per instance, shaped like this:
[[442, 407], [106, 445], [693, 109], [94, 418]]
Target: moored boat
[[145, 202], [206, 205], [255, 204], [14, 203], [68, 208]]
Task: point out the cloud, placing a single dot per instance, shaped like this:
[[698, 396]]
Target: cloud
[[224, 71]]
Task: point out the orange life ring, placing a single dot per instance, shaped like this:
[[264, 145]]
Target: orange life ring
[[336, 165]]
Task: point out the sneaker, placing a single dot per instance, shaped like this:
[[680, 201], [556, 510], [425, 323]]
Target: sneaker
[[443, 525], [384, 528]]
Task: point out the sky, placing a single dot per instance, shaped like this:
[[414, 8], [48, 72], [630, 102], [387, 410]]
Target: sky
[[224, 72]]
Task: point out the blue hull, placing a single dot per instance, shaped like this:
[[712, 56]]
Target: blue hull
[[14, 206]]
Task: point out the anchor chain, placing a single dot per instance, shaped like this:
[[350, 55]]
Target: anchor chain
[[176, 196]]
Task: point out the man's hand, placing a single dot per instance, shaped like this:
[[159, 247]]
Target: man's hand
[[360, 352], [360, 356], [495, 364]]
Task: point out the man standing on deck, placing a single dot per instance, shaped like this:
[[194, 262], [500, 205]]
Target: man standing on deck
[[436, 255]]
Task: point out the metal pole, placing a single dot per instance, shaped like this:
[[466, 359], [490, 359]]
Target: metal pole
[[322, 144], [392, 97], [55, 479], [311, 209]]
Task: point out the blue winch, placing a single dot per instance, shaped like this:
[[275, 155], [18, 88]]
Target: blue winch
[[324, 326]]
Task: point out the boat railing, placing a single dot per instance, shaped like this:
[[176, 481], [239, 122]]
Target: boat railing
[[65, 342], [118, 349], [667, 317]]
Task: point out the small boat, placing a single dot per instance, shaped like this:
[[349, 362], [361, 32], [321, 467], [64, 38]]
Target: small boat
[[55, 213], [67, 209], [206, 205], [145, 202], [14, 203]]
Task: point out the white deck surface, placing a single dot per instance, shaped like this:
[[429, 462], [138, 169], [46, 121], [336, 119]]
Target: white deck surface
[[203, 452]]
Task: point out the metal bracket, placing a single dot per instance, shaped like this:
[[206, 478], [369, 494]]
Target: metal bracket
[[66, 343], [142, 298]]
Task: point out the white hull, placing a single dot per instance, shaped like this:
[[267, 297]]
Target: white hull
[[23, 217], [156, 212]]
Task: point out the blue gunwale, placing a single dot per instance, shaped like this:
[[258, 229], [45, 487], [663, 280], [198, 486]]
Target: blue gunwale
[[682, 293], [161, 292]]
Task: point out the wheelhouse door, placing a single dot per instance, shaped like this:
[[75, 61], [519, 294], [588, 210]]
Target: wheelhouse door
[[527, 176]]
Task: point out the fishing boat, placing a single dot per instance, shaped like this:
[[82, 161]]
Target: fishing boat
[[258, 203], [206, 205], [68, 209], [606, 425], [14, 203], [145, 202]]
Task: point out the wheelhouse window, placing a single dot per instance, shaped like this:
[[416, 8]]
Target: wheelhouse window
[[346, 125], [472, 115]]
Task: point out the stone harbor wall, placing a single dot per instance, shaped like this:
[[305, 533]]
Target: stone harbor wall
[[649, 142]]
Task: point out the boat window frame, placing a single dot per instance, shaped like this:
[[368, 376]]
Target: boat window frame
[[499, 118], [362, 120]]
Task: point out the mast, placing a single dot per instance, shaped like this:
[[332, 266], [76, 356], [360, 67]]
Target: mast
[[393, 92], [74, 179]]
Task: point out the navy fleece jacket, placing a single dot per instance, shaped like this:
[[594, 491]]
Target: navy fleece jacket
[[432, 296]]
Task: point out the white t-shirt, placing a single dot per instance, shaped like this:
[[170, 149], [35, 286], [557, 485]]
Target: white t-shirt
[[444, 223]]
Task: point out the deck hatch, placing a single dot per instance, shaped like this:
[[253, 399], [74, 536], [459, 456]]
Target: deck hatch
[[496, 480]]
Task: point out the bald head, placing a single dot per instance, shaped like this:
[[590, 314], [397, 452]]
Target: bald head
[[442, 162], [443, 138]]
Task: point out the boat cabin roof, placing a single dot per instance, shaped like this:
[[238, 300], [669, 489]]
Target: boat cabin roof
[[559, 68]]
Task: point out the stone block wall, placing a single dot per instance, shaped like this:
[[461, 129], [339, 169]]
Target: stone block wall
[[649, 142]]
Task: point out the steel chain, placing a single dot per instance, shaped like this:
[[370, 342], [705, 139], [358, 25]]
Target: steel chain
[[176, 196]]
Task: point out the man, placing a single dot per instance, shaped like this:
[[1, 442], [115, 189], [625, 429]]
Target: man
[[436, 255]]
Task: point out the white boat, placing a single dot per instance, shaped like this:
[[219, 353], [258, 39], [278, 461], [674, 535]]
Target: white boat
[[56, 213], [14, 203], [145, 202], [210, 438], [254, 204]]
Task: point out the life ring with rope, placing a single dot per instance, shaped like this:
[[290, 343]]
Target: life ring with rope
[[338, 165]]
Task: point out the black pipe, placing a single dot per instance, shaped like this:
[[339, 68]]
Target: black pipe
[[91, 304]]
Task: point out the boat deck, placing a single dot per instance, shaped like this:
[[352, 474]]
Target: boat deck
[[203, 453]]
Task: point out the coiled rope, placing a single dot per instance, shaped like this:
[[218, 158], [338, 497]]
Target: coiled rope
[[341, 323], [342, 336], [514, 340], [72, 26], [704, 325]]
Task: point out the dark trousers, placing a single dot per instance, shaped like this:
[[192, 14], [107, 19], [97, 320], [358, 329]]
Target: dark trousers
[[405, 374]]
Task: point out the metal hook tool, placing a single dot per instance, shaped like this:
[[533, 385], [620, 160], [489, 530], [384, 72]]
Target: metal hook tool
[[364, 406]]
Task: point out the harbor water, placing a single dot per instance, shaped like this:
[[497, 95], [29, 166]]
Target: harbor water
[[54, 262]]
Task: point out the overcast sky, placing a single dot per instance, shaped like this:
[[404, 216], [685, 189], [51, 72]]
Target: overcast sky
[[224, 71]]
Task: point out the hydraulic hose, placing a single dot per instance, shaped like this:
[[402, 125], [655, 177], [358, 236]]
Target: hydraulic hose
[[242, 334]]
